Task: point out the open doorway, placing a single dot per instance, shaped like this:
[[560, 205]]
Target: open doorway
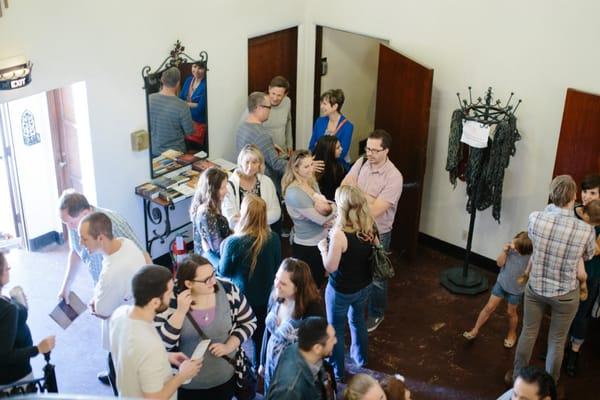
[[46, 149], [383, 90], [348, 61]]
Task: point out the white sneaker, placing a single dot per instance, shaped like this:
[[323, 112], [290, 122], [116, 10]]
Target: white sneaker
[[372, 324]]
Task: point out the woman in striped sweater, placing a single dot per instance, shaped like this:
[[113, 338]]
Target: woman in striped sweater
[[206, 308]]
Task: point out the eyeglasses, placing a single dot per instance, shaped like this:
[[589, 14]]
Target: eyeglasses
[[205, 281], [376, 151], [263, 106]]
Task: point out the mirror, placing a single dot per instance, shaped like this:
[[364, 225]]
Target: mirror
[[177, 112]]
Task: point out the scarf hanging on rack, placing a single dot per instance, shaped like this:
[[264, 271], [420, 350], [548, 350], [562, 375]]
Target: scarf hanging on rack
[[485, 165]]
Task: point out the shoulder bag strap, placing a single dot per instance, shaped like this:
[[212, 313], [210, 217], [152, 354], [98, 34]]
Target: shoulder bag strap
[[203, 336], [340, 126]]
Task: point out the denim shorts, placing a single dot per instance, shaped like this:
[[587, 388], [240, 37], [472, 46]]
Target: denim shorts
[[499, 291]]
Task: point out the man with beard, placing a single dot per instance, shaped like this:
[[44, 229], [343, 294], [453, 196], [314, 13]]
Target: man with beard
[[142, 364]]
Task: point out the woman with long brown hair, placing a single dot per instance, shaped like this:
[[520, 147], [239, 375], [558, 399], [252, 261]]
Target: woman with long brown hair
[[346, 256], [295, 297], [309, 210], [250, 258], [206, 308], [328, 150], [210, 226]]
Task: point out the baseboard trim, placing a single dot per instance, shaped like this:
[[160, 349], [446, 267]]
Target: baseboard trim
[[44, 240], [458, 252]]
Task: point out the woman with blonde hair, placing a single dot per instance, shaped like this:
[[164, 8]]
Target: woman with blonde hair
[[346, 256], [249, 177], [363, 387], [250, 259], [309, 210], [210, 226]]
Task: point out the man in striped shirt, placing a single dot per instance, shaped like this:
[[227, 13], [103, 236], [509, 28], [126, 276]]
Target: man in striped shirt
[[559, 241], [170, 117], [252, 131]]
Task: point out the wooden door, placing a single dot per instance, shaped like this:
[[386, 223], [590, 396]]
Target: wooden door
[[402, 108], [65, 136], [271, 55], [578, 152], [65, 140]]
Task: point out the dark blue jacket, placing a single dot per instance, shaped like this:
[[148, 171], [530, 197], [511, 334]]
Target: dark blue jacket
[[294, 380]]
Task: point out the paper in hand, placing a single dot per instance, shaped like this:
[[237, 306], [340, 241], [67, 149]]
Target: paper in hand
[[64, 314]]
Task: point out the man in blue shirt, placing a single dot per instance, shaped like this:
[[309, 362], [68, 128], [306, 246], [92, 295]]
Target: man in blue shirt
[[301, 373]]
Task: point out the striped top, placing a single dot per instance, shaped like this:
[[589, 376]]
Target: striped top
[[559, 241], [242, 317], [170, 120]]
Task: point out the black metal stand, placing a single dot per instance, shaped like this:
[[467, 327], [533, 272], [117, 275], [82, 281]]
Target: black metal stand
[[155, 214], [465, 280]]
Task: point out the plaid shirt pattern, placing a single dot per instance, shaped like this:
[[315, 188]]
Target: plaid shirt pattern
[[120, 228], [559, 241]]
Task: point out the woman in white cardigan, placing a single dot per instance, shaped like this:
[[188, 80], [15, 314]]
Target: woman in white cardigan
[[249, 177]]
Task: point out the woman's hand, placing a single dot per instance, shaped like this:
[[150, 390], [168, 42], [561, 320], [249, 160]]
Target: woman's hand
[[47, 344], [318, 166], [184, 301], [221, 349]]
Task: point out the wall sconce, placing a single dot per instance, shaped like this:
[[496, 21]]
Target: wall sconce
[[15, 73]]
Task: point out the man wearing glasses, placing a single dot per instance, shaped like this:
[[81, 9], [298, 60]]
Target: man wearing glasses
[[381, 182], [252, 131]]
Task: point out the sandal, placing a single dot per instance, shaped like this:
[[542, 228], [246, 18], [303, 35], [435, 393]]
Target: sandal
[[468, 335], [509, 344]]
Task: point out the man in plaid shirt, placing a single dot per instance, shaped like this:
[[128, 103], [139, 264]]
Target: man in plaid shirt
[[559, 241]]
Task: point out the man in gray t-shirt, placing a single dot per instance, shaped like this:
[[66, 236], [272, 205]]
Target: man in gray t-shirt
[[251, 131], [170, 117]]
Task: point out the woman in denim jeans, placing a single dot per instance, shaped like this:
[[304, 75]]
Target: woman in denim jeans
[[347, 259]]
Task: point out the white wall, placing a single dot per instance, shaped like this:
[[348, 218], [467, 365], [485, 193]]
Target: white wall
[[352, 66], [107, 44], [535, 48], [35, 166]]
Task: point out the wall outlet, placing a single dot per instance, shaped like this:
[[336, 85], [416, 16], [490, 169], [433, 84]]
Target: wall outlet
[[465, 234]]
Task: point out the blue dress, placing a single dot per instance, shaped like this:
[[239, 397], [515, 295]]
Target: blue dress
[[198, 96], [344, 135]]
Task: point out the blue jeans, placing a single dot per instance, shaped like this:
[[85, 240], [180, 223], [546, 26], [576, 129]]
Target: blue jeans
[[351, 307], [378, 299]]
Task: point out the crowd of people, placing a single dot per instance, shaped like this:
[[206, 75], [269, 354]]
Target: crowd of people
[[236, 286]]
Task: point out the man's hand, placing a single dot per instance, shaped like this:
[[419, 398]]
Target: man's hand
[[279, 149], [177, 358], [184, 301], [220, 349], [64, 294], [190, 368]]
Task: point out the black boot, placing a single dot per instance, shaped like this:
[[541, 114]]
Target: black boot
[[572, 358]]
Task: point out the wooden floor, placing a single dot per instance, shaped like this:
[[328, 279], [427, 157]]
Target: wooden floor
[[420, 337]]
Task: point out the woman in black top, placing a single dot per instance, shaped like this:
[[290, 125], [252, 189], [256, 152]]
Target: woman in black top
[[328, 150], [16, 345], [347, 259]]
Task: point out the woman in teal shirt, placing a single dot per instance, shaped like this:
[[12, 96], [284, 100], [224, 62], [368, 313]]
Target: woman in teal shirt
[[250, 258]]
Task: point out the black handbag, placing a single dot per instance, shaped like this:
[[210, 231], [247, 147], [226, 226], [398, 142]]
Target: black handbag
[[245, 377], [380, 263]]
